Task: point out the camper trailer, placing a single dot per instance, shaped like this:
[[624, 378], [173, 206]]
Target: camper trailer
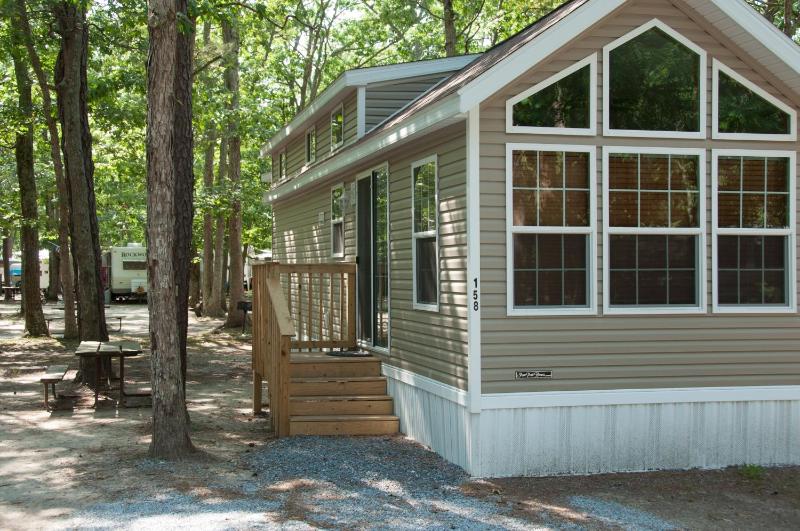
[[126, 271]]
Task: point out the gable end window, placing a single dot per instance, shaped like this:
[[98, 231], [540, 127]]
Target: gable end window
[[425, 233], [337, 127], [654, 84], [754, 231], [744, 111], [311, 145], [654, 230], [337, 221], [565, 103], [550, 218]]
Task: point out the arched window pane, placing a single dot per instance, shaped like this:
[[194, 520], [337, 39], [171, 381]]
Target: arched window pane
[[743, 111], [565, 103]]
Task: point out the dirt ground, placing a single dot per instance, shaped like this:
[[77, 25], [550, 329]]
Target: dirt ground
[[79, 467]]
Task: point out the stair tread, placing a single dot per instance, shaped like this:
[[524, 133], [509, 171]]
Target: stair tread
[[338, 398], [318, 379], [340, 418]]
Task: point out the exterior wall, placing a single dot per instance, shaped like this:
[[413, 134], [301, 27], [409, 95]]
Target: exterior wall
[[383, 100], [432, 344], [622, 352]]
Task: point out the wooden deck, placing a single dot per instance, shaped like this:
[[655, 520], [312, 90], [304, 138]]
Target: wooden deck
[[299, 310]]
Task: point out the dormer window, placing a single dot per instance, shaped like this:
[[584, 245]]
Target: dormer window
[[654, 84], [745, 111], [565, 103], [337, 127]]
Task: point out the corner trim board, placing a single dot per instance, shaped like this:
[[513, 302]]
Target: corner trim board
[[473, 260]]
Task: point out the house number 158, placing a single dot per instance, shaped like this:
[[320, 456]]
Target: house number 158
[[475, 298]]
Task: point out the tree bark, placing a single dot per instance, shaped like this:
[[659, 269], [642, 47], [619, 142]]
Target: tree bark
[[208, 219], [76, 146], [449, 19], [64, 261], [216, 302], [194, 278], [8, 251], [230, 37], [788, 17], [23, 151], [170, 184]]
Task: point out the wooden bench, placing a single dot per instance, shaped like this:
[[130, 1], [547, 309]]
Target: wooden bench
[[52, 375]]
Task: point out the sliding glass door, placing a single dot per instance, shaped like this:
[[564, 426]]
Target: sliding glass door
[[373, 258]]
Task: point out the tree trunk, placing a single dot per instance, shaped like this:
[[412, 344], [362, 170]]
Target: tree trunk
[[449, 19], [8, 251], [216, 302], [64, 261], [54, 281], [169, 219], [208, 219], [788, 17], [230, 37], [194, 278], [76, 145], [23, 151]]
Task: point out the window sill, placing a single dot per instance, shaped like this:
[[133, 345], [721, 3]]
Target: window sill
[[550, 312], [654, 310], [754, 310], [426, 307], [633, 133]]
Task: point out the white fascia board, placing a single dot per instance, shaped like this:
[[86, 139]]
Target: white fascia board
[[440, 115], [362, 77], [761, 30], [539, 49]]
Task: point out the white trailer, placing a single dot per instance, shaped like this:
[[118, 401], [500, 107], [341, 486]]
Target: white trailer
[[126, 270]]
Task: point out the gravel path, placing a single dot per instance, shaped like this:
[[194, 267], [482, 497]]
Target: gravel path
[[320, 483]]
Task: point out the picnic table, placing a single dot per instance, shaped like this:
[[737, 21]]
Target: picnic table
[[100, 350]]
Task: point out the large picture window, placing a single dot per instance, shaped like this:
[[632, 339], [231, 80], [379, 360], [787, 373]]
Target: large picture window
[[654, 84], [744, 111], [564, 104], [754, 230], [425, 248], [654, 221], [551, 220], [337, 222]]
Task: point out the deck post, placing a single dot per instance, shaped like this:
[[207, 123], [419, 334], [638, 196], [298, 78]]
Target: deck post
[[257, 390]]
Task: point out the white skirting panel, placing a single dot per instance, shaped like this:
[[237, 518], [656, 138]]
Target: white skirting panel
[[431, 413], [590, 439]]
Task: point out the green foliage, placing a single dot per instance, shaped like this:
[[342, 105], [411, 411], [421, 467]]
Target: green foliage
[[752, 472]]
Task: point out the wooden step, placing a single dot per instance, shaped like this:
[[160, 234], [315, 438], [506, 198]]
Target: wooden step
[[321, 366], [344, 425], [353, 386], [341, 405]]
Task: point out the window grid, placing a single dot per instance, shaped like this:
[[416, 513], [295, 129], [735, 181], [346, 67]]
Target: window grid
[[563, 230], [563, 270], [763, 270], [431, 225], [697, 231], [788, 232], [741, 193]]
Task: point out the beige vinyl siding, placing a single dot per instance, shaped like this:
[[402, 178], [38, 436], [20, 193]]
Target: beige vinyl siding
[[433, 344], [351, 119], [622, 352], [384, 99]]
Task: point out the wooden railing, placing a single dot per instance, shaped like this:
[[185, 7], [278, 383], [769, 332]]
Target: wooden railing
[[297, 307]]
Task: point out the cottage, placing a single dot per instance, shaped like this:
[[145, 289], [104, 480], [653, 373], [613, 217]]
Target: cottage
[[575, 252]]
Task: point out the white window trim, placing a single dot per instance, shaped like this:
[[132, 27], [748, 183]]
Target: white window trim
[[311, 157], [590, 61], [337, 221], [339, 108], [590, 231], [700, 232], [283, 164], [719, 66], [655, 23], [427, 234], [791, 233]]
